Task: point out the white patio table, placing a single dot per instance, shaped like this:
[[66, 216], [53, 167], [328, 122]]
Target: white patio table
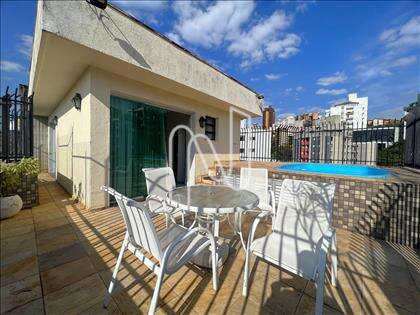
[[213, 202]]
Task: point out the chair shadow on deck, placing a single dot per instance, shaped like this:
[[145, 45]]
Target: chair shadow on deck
[[369, 272], [102, 240]]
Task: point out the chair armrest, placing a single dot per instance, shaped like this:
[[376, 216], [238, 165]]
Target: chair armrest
[[254, 226], [179, 240], [164, 208], [155, 198]]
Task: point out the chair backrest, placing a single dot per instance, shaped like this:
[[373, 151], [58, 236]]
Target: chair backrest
[[159, 182], [140, 227], [256, 181], [304, 209]]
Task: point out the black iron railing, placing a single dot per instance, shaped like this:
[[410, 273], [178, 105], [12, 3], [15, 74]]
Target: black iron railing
[[16, 125], [326, 143]]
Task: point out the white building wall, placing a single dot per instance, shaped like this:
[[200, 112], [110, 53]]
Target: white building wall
[[360, 111], [354, 115]]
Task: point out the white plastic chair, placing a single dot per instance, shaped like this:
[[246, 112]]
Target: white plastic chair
[[159, 182], [302, 235], [256, 181], [173, 247]]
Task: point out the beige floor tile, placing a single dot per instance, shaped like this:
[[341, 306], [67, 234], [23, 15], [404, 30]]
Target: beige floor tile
[[347, 296], [307, 307], [16, 230], [201, 299], [44, 207], [35, 307], [187, 279], [18, 270], [73, 243], [55, 238], [61, 256], [98, 308], [381, 297], [16, 248], [19, 293], [58, 277], [134, 289], [104, 255], [52, 214], [49, 224], [248, 306], [77, 297], [264, 270], [274, 295]]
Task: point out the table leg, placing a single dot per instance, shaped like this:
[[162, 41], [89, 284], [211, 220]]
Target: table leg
[[222, 250], [216, 223]]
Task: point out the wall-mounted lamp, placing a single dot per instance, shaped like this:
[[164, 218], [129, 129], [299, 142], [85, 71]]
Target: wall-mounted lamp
[[77, 101], [54, 122], [201, 121], [101, 4]]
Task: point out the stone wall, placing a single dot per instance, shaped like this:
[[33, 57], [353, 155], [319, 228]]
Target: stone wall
[[387, 210], [28, 191]]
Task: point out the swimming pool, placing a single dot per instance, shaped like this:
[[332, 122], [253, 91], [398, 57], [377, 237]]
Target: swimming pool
[[337, 169]]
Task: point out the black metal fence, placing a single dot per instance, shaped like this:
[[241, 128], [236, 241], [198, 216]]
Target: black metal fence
[[16, 125], [326, 143]]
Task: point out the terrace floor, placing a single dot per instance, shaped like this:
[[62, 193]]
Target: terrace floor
[[58, 258]]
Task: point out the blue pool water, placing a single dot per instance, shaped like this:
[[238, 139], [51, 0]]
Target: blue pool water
[[337, 169]]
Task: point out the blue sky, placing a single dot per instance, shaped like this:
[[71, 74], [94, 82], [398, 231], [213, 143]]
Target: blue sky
[[302, 56]]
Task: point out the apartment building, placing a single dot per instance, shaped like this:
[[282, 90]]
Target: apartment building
[[353, 112]]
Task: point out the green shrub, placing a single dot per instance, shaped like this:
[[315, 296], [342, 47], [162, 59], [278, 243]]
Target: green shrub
[[11, 173]]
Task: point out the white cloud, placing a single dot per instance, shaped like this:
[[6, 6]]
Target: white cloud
[[175, 37], [25, 46], [264, 40], [285, 47], [337, 77], [404, 61], [337, 101], [144, 5], [274, 76], [299, 88], [146, 10], [210, 26], [323, 91], [227, 23], [10, 66], [406, 35], [284, 115], [395, 112], [264, 31], [384, 66], [395, 51], [287, 92]]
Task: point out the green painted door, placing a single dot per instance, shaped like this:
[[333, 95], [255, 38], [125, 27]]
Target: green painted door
[[137, 141]]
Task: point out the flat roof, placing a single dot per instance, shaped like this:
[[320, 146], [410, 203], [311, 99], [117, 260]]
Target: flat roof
[[134, 19]]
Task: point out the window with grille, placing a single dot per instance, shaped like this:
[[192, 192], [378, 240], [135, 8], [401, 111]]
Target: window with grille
[[210, 127]]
